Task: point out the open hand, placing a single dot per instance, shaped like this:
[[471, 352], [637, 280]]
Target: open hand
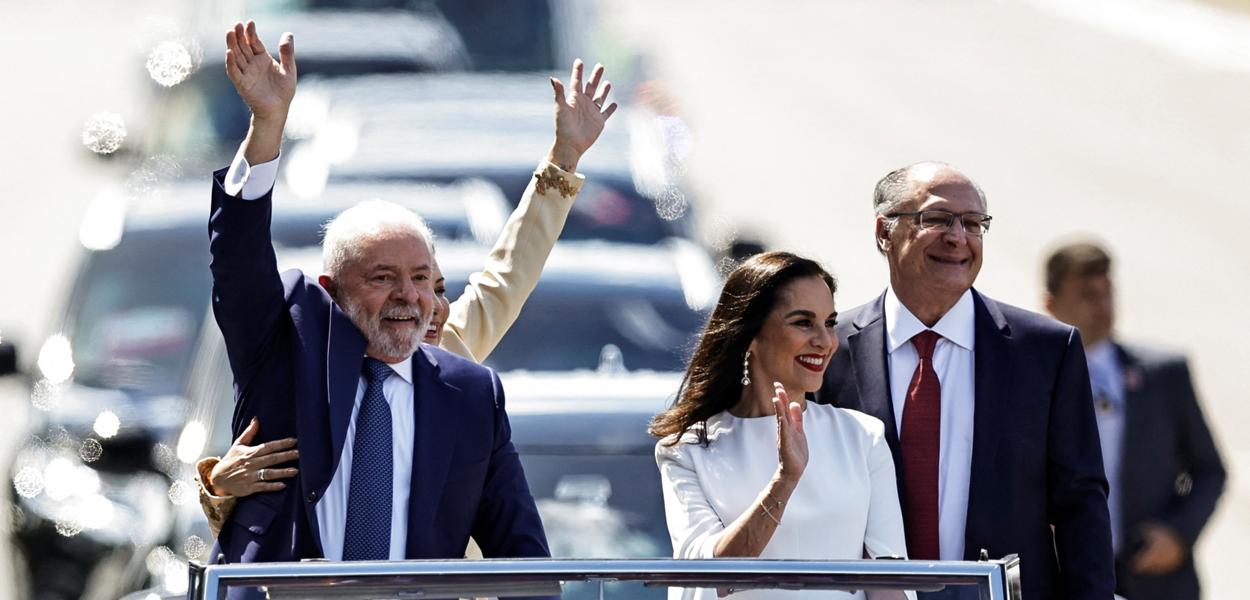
[[266, 85], [580, 114], [246, 470], [791, 439]]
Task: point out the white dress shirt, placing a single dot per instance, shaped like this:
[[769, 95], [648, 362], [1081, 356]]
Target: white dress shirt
[[953, 360], [254, 182], [846, 500], [1106, 378]]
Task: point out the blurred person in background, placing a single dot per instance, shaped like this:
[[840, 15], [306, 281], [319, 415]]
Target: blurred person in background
[[986, 406], [748, 466], [1163, 467], [472, 325], [298, 360]]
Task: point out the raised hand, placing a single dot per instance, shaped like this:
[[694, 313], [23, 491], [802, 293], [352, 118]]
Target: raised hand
[[580, 115], [791, 439], [266, 85], [245, 470]]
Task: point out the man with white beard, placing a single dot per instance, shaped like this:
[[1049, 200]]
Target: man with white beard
[[404, 449]]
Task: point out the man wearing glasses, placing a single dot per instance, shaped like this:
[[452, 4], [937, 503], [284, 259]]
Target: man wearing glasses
[[987, 406]]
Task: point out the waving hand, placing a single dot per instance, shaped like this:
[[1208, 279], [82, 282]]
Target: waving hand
[[581, 113], [266, 85]]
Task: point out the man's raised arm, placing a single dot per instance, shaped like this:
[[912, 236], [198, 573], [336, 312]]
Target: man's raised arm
[[247, 291]]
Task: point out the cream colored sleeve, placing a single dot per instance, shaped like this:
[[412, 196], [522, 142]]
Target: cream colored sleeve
[[216, 508], [493, 298]]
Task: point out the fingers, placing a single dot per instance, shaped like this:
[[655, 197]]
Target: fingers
[[258, 47], [602, 93], [276, 458], [558, 88], [607, 112], [286, 52], [249, 432], [274, 446], [245, 49], [276, 474], [263, 486], [233, 70], [796, 417], [596, 74], [575, 81]]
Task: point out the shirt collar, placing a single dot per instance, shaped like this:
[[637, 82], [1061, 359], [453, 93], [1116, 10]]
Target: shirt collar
[[1102, 355], [403, 368], [958, 325]]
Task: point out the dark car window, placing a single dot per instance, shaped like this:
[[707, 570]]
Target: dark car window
[[137, 310], [608, 207], [565, 326]]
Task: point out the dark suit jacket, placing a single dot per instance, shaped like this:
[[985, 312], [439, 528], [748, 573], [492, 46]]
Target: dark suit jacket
[[1036, 459], [1170, 472], [297, 360]]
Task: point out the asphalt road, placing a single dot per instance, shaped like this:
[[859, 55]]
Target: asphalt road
[[1127, 123]]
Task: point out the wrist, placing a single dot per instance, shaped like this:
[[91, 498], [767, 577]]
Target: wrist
[[782, 485], [564, 157]]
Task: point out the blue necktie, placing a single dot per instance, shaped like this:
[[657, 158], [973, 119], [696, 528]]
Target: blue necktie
[[367, 535]]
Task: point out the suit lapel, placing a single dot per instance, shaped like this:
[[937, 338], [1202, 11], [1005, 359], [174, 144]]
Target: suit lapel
[[432, 450], [344, 360], [872, 374], [992, 366]]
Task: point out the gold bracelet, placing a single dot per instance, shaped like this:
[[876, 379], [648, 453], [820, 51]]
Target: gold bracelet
[[769, 513]]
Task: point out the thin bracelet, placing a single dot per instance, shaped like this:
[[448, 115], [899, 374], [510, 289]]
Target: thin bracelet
[[770, 514]]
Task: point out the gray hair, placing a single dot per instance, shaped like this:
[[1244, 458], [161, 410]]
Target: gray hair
[[346, 234], [895, 189]]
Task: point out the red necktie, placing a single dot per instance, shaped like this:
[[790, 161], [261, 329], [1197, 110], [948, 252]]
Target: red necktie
[[920, 441]]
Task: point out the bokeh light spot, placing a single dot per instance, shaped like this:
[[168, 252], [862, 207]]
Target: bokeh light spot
[[180, 492], [104, 133], [169, 63], [28, 482], [671, 204], [90, 451], [46, 395], [107, 424], [56, 359], [195, 547]]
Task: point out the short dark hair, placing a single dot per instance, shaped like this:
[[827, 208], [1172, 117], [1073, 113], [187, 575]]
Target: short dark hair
[[1082, 259], [713, 380]]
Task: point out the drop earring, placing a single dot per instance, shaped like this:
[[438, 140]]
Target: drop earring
[[746, 369]]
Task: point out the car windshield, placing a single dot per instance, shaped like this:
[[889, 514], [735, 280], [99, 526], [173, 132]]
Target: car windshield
[[608, 206], [137, 310], [565, 327]]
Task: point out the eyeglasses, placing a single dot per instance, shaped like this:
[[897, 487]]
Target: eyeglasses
[[974, 223]]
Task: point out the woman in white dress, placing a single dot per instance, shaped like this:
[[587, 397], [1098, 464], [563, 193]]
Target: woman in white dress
[[749, 468]]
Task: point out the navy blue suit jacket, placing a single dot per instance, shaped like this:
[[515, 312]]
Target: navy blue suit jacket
[[1036, 460], [297, 360], [1170, 473]]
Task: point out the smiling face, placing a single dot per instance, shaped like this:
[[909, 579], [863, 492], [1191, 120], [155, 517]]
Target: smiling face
[[388, 292], [434, 333], [930, 266], [797, 338]]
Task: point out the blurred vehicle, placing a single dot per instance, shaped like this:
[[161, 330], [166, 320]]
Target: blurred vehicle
[[602, 339], [201, 119], [94, 481], [443, 127]]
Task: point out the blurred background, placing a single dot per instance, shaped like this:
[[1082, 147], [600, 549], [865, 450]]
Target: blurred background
[[744, 125]]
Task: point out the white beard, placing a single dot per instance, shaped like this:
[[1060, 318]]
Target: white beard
[[388, 343]]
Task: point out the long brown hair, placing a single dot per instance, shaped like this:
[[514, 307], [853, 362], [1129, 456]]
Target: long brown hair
[[713, 379]]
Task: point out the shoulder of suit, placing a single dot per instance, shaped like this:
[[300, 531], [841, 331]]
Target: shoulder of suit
[[453, 365], [1024, 322], [1151, 355]]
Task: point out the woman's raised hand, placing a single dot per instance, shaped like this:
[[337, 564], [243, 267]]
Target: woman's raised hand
[[581, 112], [246, 470], [791, 440]]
